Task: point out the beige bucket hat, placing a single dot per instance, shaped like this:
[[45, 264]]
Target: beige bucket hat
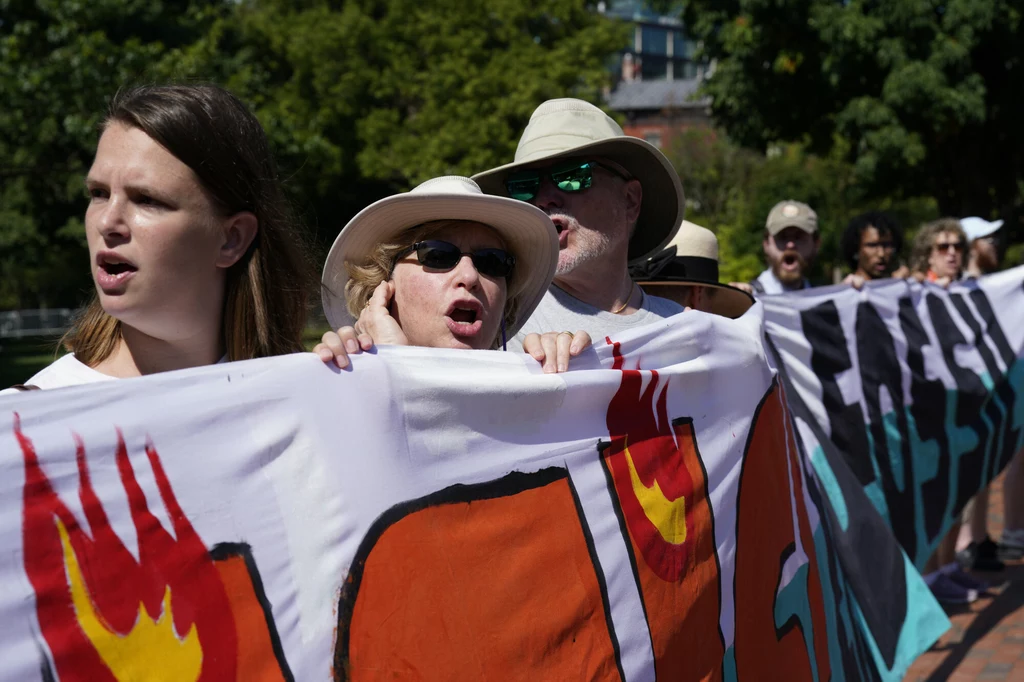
[[691, 259], [528, 233], [570, 128]]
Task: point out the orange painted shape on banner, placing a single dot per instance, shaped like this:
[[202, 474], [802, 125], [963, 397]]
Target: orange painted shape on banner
[[764, 536], [501, 588], [661, 487], [259, 660]]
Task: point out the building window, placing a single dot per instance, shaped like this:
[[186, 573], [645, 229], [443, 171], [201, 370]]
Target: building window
[[654, 67], [654, 40], [683, 69], [653, 137], [681, 47]]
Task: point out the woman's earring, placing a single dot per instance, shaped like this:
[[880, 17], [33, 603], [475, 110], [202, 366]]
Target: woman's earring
[[504, 346]]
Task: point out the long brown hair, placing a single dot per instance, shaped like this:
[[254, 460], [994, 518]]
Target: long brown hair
[[212, 132]]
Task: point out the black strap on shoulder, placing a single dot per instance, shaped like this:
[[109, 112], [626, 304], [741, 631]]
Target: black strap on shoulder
[[25, 387]]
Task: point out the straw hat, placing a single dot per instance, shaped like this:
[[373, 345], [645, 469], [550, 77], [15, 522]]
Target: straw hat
[[571, 128], [527, 232], [691, 259]]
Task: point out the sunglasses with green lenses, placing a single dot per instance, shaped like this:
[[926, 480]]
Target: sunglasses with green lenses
[[571, 176]]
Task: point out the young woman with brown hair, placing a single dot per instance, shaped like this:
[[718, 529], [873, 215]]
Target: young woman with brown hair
[[194, 250]]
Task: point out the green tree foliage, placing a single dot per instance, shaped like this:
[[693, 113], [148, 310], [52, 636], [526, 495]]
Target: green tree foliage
[[361, 98], [924, 94], [60, 62], [370, 97]]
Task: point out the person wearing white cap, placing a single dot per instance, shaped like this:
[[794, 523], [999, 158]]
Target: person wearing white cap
[[975, 549], [613, 199], [687, 273], [984, 245], [442, 266]]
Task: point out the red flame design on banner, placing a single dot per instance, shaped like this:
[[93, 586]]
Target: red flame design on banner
[[106, 615], [652, 480]]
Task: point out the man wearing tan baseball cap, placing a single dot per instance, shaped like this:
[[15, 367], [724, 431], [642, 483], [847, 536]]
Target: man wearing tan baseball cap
[[613, 199], [790, 246]]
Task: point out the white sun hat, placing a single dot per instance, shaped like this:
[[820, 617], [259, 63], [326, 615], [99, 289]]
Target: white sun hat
[[527, 231], [976, 227], [571, 128]]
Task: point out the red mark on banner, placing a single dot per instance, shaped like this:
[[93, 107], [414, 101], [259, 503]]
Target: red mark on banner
[[107, 615], [661, 487], [647, 458]]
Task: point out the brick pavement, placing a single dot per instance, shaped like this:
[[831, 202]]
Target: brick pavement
[[986, 641]]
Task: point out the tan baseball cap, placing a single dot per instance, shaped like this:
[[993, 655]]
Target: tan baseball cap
[[791, 213]]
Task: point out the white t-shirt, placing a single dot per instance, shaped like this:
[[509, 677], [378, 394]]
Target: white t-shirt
[[560, 311], [66, 371]]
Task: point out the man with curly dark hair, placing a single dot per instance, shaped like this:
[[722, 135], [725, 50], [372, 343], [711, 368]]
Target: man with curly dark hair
[[871, 245]]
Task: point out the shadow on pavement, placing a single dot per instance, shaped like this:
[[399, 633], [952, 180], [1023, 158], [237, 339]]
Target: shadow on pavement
[[1004, 604]]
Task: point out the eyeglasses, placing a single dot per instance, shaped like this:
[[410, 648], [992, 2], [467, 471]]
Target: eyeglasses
[[885, 246], [571, 177], [943, 247], [441, 255]]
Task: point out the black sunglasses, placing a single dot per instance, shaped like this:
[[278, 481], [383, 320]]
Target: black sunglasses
[[943, 247], [441, 255], [571, 176]]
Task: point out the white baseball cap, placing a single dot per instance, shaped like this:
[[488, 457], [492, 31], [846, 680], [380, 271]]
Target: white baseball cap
[[976, 227]]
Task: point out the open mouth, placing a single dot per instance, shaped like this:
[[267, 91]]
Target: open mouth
[[790, 260], [465, 318], [113, 272], [560, 223], [115, 269], [465, 315]]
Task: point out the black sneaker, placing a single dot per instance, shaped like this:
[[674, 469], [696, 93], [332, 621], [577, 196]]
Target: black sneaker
[[980, 556]]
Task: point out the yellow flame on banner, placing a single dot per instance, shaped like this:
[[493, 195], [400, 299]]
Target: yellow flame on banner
[[151, 651], [668, 516]]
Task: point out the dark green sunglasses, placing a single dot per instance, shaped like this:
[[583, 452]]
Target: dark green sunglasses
[[571, 176]]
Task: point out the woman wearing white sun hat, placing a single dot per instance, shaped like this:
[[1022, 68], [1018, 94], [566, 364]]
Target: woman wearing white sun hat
[[443, 266]]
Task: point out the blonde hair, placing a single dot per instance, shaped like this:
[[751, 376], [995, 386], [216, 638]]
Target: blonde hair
[[365, 277], [924, 240], [267, 291]]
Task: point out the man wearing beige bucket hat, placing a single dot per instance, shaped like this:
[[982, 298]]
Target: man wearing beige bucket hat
[[613, 199], [687, 272]]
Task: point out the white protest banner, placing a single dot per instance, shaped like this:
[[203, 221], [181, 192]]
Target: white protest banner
[[439, 515], [916, 389]]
